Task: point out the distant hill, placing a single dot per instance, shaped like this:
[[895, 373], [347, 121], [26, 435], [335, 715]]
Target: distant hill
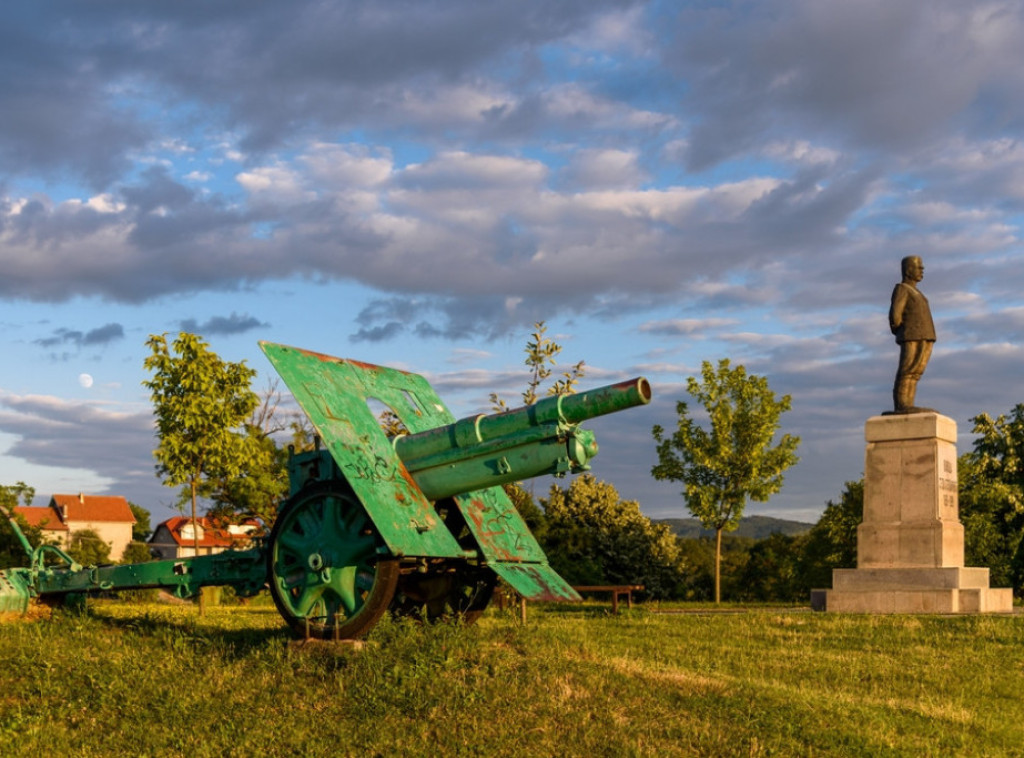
[[756, 527]]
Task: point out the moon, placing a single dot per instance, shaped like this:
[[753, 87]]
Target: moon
[[85, 380]]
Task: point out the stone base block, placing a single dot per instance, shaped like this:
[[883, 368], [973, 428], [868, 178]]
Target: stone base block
[[919, 601], [913, 590]]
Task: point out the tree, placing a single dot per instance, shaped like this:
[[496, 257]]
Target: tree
[[772, 570], [141, 529], [530, 512], [991, 497], [201, 404], [88, 548], [12, 552], [540, 355], [832, 542], [594, 537], [136, 552], [721, 468], [262, 483]]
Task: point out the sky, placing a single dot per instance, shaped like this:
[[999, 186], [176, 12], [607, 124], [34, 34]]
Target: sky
[[416, 184]]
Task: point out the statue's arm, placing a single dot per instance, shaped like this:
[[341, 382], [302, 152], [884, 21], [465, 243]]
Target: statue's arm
[[899, 303]]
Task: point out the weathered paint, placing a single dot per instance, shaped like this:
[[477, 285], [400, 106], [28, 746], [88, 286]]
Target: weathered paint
[[334, 393], [14, 590], [536, 581]]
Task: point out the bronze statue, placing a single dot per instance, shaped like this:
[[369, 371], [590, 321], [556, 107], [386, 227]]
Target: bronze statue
[[910, 319]]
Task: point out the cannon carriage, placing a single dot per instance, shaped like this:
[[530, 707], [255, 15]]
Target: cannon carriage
[[417, 524]]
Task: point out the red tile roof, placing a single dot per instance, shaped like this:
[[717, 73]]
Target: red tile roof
[[94, 508], [41, 516], [64, 508], [212, 536]]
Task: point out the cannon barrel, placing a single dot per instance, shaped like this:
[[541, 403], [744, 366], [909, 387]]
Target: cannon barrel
[[539, 439]]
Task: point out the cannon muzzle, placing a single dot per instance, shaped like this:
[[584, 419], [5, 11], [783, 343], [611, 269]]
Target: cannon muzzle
[[536, 440]]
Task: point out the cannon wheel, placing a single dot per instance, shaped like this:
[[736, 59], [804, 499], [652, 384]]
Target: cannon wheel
[[445, 592], [326, 574]]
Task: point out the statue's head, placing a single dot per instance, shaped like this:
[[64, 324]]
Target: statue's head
[[912, 267]]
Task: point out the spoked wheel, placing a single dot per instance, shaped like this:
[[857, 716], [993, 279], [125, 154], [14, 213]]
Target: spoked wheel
[[326, 576], [445, 591]]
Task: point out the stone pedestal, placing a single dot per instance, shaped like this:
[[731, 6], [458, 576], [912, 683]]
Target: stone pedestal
[[910, 545]]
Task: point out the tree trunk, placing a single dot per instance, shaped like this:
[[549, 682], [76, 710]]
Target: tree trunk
[[718, 565], [195, 545]]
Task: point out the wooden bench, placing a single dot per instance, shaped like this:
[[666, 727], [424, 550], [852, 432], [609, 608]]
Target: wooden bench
[[617, 591], [505, 596]]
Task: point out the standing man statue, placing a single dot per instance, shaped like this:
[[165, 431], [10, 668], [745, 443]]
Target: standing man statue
[[910, 319]]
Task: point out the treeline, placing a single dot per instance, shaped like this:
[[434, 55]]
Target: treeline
[[592, 536]]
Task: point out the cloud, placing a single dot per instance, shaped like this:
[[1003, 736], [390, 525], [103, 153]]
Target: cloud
[[92, 88], [236, 323], [55, 432], [102, 335], [868, 74], [687, 326], [514, 191]]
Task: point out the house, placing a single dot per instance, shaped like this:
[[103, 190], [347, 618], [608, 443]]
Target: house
[[175, 537], [107, 515]]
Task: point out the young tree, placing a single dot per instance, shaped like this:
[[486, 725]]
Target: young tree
[[201, 404], [258, 487], [721, 468], [540, 356]]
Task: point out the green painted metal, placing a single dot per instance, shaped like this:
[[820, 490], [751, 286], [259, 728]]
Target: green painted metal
[[15, 590], [325, 574], [245, 570], [334, 393], [557, 415]]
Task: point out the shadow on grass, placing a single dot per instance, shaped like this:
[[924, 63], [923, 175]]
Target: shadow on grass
[[187, 627]]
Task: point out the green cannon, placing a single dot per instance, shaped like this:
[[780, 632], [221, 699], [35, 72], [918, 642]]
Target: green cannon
[[417, 523]]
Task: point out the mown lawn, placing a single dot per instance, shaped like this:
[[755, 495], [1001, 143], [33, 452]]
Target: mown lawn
[[152, 680]]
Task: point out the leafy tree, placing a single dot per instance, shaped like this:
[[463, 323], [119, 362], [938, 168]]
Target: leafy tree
[[991, 497], [594, 537], [136, 552], [832, 542], [201, 405], [10, 494], [532, 514], [733, 461], [12, 552], [88, 548], [772, 571], [142, 529], [258, 488]]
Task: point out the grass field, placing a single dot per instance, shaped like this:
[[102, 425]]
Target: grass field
[[152, 680]]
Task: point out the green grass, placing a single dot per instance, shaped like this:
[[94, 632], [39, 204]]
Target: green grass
[[150, 680]]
